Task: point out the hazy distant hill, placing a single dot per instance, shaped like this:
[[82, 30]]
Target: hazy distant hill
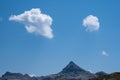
[[70, 72]]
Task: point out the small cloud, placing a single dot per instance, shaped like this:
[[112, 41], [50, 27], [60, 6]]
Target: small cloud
[[91, 23], [35, 22], [104, 53], [1, 19]]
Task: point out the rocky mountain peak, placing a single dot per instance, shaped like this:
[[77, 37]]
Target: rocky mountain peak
[[72, 68]]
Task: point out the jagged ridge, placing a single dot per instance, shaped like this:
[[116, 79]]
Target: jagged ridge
[[70, 72]]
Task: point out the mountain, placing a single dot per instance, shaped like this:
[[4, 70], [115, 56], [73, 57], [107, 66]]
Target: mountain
[[72, 68], [70, 72], [16, 76], [113, 76]]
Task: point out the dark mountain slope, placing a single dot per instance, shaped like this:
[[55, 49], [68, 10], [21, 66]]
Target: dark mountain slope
[[100, 73], [113, 76]]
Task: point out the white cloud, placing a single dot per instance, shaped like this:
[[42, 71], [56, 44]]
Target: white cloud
[[104, 53], [1, 19], [91, 23], [35, 22]]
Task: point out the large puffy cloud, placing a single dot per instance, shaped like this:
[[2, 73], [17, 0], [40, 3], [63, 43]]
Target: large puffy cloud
[[35, 22], [91, 23]]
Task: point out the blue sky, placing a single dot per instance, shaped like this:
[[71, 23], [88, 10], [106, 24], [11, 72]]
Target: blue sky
[[93, 46]]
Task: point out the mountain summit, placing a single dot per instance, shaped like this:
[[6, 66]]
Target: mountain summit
[[72, 68]]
